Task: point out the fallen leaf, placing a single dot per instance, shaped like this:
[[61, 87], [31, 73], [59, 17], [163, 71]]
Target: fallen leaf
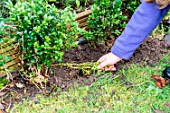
[[20, 85], [11, 85], [39, 79], [160, 81]]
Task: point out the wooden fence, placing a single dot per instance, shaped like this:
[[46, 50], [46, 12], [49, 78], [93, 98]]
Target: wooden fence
[[10, 48]]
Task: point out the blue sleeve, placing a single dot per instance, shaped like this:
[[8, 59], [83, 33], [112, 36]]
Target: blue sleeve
[[141, 24]]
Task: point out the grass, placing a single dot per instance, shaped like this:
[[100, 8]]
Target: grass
[[130, 91]]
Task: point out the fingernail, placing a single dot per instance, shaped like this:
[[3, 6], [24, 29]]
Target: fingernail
[[113, 69]]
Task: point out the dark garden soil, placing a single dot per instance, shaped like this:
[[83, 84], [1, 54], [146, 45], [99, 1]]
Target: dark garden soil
[[63, 78]]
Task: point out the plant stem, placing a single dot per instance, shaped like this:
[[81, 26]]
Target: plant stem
[[86, 65]]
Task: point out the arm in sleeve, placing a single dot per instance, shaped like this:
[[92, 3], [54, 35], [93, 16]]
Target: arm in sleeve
[[141, 24]]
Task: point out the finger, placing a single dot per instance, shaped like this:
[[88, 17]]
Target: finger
[[110, 68], [101, 59], [113, 69], [103, 64]]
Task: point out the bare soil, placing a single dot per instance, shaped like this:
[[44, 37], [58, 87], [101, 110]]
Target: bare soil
[[62, 78]]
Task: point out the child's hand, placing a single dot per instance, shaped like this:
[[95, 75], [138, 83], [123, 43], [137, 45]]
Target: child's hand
[[108, 61]]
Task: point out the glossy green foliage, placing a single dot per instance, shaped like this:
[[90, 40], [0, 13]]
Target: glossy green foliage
[[4, 12], [106, 19], [76, 4], [109, 17], [43, 31], [129, 7]]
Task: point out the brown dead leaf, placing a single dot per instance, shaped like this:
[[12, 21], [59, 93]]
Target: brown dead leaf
[[39, 79], [11, 85], [20, 85], [160, 81]]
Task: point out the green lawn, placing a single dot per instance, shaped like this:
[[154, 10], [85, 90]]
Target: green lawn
[[131, 91]]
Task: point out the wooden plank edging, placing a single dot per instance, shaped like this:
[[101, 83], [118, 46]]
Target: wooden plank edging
[[83, 14]]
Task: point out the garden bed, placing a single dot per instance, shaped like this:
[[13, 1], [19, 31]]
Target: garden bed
[[10, 48], [62, 78]]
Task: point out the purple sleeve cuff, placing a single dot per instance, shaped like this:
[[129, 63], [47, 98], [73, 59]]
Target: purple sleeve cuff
[[141, 24]]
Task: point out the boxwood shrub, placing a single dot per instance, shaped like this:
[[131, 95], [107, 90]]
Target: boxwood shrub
[[106, 19], [109, 17], [43, 31]]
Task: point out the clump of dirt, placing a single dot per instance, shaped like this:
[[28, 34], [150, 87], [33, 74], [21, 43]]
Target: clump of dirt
[[150, 52]]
